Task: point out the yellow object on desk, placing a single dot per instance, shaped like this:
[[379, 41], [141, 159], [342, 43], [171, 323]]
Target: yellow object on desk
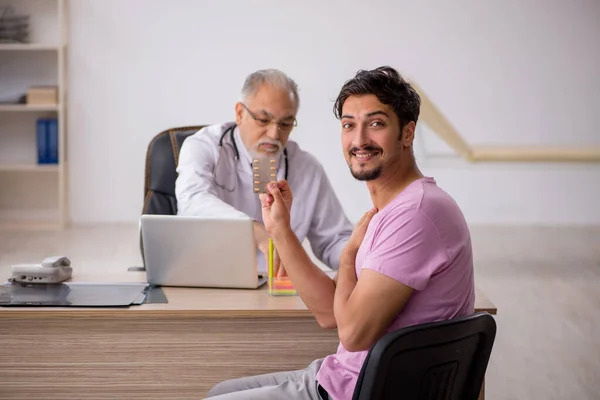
[[270, 270], [278, 286]]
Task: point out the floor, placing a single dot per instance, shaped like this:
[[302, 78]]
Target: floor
[[544, 281]]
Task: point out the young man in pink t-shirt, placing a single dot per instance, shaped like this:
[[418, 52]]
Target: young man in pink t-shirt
[[408, 261]]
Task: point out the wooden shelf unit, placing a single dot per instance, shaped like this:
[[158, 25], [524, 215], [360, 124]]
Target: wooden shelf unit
[[30, 167], [28, 107], [20, 174], [28, 47]]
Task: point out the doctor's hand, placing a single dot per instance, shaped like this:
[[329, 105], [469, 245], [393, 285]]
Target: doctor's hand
[[276, 207]]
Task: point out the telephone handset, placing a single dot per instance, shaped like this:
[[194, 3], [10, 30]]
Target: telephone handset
[[52, 270]]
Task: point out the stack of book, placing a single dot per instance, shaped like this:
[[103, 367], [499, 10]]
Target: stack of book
[[13, 28]]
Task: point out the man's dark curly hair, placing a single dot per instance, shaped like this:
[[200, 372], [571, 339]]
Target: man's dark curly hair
[[389, 87]]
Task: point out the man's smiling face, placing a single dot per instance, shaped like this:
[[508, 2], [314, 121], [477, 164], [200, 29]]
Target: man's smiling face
[[370, 137]]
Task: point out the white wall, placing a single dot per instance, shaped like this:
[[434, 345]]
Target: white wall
[[512, 72]]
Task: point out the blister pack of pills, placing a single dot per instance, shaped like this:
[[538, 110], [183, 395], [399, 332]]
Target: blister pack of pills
[[264, 170]]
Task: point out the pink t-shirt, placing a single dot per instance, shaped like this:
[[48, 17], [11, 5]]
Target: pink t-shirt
[[420, 239]]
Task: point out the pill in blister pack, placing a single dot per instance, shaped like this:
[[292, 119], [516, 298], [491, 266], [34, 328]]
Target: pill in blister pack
[[264, 170]]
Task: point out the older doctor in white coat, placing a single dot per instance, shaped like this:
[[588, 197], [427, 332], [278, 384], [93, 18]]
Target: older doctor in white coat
[[215, 175]]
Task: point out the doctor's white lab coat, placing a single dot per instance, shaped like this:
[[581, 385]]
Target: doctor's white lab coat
[[316, 211]]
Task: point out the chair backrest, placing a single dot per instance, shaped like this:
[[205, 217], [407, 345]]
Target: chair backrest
[[443, 360], [162, 157]]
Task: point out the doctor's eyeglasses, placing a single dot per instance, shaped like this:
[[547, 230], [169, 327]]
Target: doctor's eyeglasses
[[285, 126]]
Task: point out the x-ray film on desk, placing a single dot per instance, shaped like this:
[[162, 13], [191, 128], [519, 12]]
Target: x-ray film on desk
[[72, 294]]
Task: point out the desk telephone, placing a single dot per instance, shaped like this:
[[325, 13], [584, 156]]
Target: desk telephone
[[52, 270]]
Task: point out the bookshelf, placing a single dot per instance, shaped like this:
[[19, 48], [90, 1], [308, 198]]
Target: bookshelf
[[28, 47], [25, 107], [33, 195]]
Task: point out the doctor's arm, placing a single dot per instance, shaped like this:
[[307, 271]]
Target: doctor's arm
[[330, 229], [195, 187]]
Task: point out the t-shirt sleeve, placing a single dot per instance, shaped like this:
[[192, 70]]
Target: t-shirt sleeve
[[406, 247]]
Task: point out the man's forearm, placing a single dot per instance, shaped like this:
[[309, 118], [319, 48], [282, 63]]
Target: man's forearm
[[314, 287], [345, 285]]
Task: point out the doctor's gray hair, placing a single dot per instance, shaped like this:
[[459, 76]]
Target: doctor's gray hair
[[273, 77]]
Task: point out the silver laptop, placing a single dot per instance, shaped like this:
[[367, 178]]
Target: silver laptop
[[200, 252]]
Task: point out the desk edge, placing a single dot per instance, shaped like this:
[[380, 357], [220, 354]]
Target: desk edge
[[140, 313]]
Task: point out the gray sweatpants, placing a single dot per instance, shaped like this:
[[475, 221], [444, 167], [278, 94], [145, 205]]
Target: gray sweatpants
[[293, 385]]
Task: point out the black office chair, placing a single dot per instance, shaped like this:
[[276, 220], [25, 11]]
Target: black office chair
[[162, 157], [443, 360], [161, 164]]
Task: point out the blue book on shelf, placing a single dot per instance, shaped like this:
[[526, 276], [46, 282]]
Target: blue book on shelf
[[52, 136], [47, 140], [42, 141]]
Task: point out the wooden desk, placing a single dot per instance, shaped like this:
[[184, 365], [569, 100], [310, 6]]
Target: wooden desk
[[177, 350]]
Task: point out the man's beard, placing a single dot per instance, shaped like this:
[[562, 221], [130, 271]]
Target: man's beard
[[369, 175]]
